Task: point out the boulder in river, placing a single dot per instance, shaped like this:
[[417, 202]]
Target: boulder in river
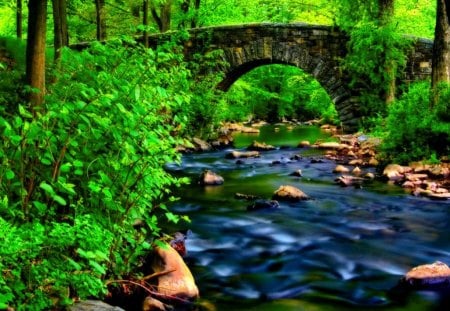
[[257, 146], [263, 204], [209, 178], [297, 173], [289, 193], [175, 279], [432, 275], [341, 169], [239, 154], [303, 144]]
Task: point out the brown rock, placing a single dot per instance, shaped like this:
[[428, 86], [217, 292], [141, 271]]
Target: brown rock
[[249, 130], [415, 177], [209, 178], [152, 304], [347, 181], [373, 162], [304, 143], [341, 169], [394, 172], [178, 280], [356, 162], [356, 171], [433, 274], [289, 193], [200, 144], [369, 175], [334, 145], [257, 146], [238, 154]]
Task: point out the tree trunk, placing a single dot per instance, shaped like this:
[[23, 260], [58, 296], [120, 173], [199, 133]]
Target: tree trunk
[[35, 55], [100, 13], [385, 14], [145, 22], [194, 21], [164, 17], [441, 49], [61, 33], [19, 19]]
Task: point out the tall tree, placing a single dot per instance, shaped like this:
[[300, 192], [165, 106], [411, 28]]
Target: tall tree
[[145, 22], [61, 33], [441, 49], [35, 54], [19, 18], [100, 14], [385, 15], [161, 13]]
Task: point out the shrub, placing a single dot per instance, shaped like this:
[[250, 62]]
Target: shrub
[[415, 129], [78, 172]]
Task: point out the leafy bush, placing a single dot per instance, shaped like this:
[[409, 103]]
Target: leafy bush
[[278, 92], [417, 130], [78, 172]]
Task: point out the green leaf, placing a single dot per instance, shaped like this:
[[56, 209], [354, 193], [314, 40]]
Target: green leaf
[[9, 174], [97, 267], [65, 168], [25, 113], [59, 200], [47, 188]]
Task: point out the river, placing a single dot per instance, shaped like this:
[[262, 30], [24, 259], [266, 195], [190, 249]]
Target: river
[[343, 250]]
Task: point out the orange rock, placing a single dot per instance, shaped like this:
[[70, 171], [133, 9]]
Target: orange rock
[[178, 282], [289, 193], [341, 169], [429, 274]]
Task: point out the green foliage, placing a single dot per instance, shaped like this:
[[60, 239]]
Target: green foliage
[[415, 129], [78, 172], [278, 92]]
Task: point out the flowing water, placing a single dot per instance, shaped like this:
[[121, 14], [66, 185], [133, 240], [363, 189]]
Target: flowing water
[[343, 250]]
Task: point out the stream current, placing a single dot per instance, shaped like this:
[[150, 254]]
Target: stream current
[[343, 250]]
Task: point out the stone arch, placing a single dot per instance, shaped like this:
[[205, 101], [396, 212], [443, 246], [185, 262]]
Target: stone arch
[[324, 71]]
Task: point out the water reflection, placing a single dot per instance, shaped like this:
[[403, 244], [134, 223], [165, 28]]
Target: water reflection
[[345, 249]]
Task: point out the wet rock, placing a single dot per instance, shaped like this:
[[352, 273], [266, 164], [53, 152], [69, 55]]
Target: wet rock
[[394, 172], [238, 154], [152, 304], [303, 144], [297, 173], [263, 204], [289, 193], [356, 162], [429, 275], [341, 169], [333, 145], [209, 178], [369, 176], [248, 197], [223, 141], [249, 130], [93, 305], [356, 171], [296, 157], [176, 279], [373, 162], [416, 177], [200, 145], [316, 160], [257, 146], [347, 181]]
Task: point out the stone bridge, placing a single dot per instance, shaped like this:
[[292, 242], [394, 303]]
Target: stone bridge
[[316, 49]]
